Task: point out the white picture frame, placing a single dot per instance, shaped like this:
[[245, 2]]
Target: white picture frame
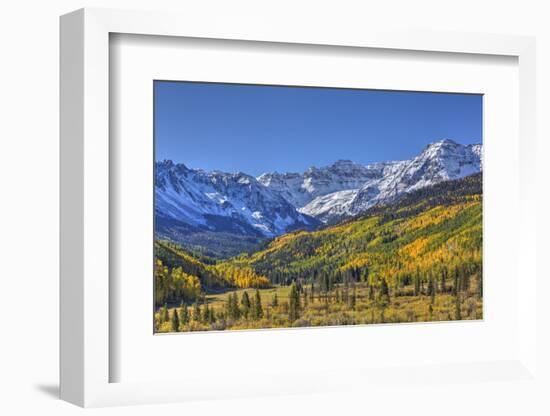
[[86, 355]]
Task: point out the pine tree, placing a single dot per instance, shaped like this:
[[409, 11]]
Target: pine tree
[[164, 315], [326, 283], [305, 297], [175, 321], [196, 312], [431, 289], [228, 306], [184, 314], [384, 294], [456, 283], [211, 315], [458, 313], [275, 301], [206, 314], [245, 303], [444, 280], [384, 288], [294, 303], [233, 312], [258, 310], [312, 293], [365, 275], [416, 285], [286, 307], [236, 310]]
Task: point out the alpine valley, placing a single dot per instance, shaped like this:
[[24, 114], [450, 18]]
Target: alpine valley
[[344, 244], [220, 214]]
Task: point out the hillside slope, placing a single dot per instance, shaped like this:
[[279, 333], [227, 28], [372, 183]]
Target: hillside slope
[[432, 234]]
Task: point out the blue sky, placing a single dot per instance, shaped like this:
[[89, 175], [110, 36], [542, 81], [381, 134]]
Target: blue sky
[[256, 129]]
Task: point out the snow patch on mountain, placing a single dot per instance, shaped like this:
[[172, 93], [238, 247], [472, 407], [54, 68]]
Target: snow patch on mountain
[[204, 199], [301, 188], [347, 188], [330, 206], [440, 161]]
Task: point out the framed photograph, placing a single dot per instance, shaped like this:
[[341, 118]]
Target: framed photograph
[[294, 213], [292, 232]]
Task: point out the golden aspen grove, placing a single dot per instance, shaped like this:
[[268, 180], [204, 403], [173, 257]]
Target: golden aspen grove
[[417, 259]]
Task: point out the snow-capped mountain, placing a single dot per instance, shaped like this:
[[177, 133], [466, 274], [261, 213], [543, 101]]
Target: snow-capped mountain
[[301, 188], [335, 205], [347, 189], [440, 161], [217, 201], [194, 200]]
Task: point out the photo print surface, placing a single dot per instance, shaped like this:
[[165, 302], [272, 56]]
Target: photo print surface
[[282, 206]]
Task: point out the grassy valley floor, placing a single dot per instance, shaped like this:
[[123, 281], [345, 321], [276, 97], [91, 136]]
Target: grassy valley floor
[[322, 309]]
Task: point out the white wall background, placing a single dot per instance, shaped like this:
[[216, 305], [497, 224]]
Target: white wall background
[[29, 184]]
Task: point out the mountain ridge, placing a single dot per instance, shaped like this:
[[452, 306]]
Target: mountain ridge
[[195, 201], [381, 182]]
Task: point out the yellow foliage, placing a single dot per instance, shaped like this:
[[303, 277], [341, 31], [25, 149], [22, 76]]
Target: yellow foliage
[[241, 276], [414, 249]]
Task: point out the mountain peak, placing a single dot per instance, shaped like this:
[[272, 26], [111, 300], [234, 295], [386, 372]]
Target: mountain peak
[[443, 147], [442, 142], [165, 163], [169, 164], [343, 162], [447, 141]]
